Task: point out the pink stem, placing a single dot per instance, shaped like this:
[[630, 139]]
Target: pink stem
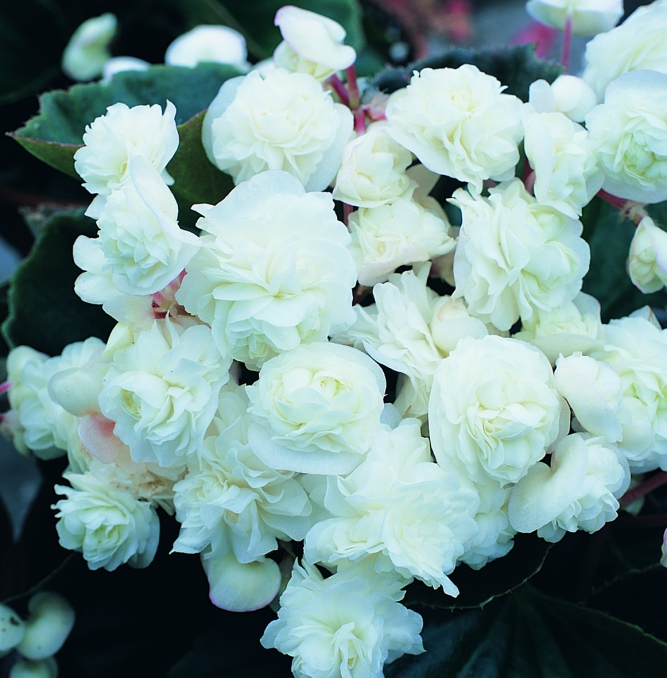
[[352, 86], [567, 42], [653, 483], [339, 88], [5, 386], [347, 210], [618, 203], [359, 121]]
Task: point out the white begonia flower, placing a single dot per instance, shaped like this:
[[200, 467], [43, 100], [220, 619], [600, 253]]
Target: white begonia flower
[[315, 409], [220, 44], [283, 121], [395, 332], [393, 235], [515, 256], [230, 500], [572, 326], [638, 43], [312, 43], [113, 139], [629, 133], [162, 391], [106, 524], [494, 408], [594, 392], [566, 171], [458, 123], [345, 626], [579, 491], [120, 65], [273, 271], [399, 511], [373, 170], [139, 234], [647, 261], [589, 17], [573, 96], [88, 49]]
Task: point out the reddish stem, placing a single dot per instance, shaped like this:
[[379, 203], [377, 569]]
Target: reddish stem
[[567, 42], [5, 386], [347, 210], [352, 86], [359, 121], [338, 87], [653, 483], [618, 203]]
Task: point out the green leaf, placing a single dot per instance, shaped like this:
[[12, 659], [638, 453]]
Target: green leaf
[[33, 35], [196, 180], [529, 634], [609, 235], [55, 134], [515, 67], [499, 577], [44, 311]]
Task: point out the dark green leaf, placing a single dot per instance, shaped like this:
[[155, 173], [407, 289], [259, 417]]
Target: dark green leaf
[[529, 634], [33, 35], [55, 134], [44, 311], [196, 180], [515, 67], [609, 235], [499, 577]]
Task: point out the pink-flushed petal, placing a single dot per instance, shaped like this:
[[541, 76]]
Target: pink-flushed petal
[[96, 434]]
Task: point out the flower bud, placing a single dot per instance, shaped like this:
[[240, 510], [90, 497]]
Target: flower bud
[[50, 622], [647, 261], [44, 668], [77, 389], [12, 629], [219, 44], [573, 97], [88, 48], [589, 17], [451, 322]]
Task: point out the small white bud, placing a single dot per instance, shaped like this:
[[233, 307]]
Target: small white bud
[[44, 668], [50, 622], [12, 628]]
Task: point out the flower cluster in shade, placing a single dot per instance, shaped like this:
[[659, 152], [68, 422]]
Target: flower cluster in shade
[[244, 388]]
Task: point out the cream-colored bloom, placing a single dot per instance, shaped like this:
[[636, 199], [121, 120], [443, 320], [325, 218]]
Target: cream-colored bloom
[[373, 170], [113, 139], [316, 409], [515, 256], [283, 121], [589, 17], [312, 43], [397, 510], [629, 132], [273, 271], [638, 43], [393, 235], [458, 123], [647, 261], [220, 44], [579, 491], [88, 49], [345, 626], [566, 171], [494, 408], [162, 391], [573, 97], [108, 525]]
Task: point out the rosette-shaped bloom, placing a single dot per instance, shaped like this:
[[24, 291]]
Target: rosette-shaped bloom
[[638, 43], [162, 391], [566, 171], [140, 239], [283, 121], [515, 255], [88, 49], [312, 43], [220, 44], [230, 500], [316, 408], [494, 408], [345, 626], [579, 491], [273, 271], [398, 510], [589, 17], [395, 332], [393, 235], [373, 170], [113, 139], [458, 123], [647, 262], [629, 133], [108, 525]]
